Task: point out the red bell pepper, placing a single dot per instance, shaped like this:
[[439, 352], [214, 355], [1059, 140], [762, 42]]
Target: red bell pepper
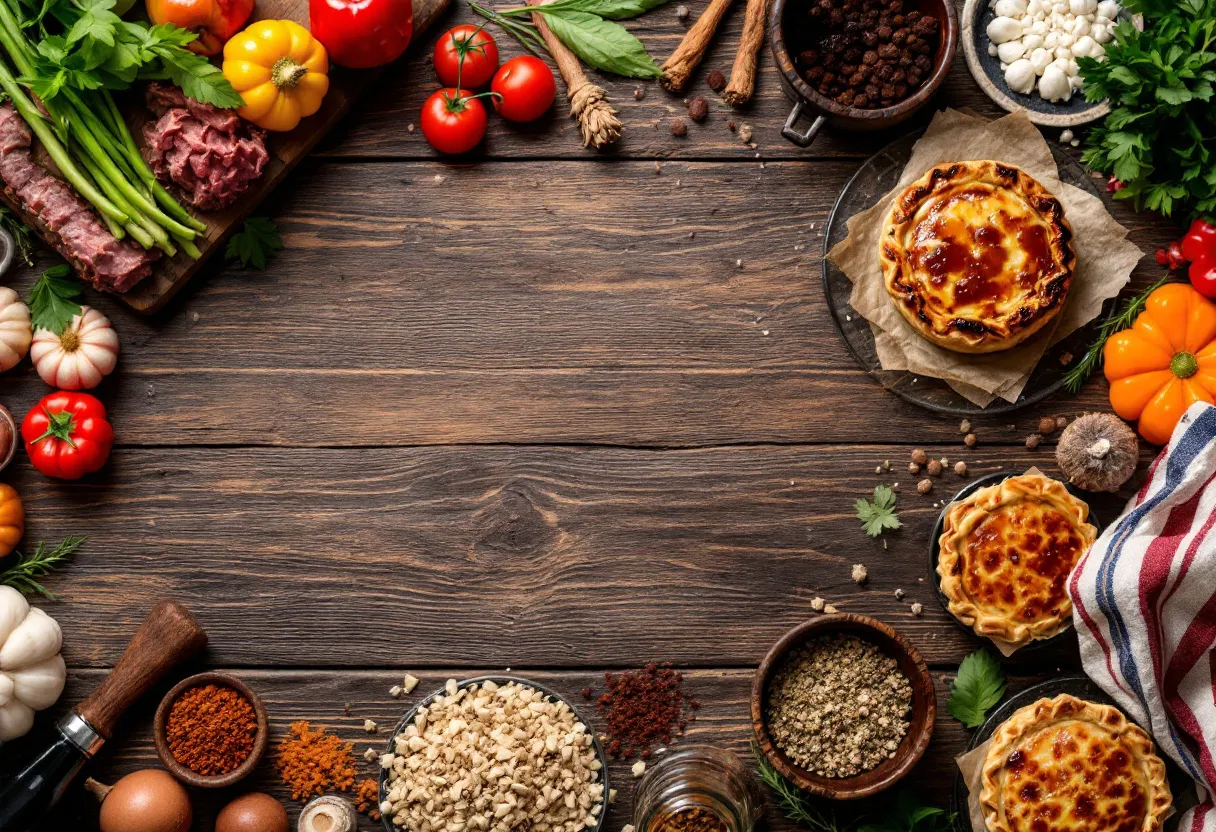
[[362, 33], [1200, 241], [67, 435]]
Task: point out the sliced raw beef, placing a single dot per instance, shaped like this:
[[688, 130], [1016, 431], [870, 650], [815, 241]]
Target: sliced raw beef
[[110, 265], [209, 153]]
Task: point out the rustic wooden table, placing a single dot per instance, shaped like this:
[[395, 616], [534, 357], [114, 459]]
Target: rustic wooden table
[[522, 411]]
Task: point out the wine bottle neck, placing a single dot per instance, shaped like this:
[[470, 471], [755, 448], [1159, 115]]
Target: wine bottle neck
[[81, 734]]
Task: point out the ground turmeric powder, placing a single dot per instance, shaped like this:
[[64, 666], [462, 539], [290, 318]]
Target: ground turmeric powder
[[315, 762]]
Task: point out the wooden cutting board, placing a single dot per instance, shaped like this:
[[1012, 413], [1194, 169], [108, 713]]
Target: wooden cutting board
[[286, 149]]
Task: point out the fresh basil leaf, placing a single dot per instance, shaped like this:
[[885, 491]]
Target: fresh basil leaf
[[611, 9], [602, 44]]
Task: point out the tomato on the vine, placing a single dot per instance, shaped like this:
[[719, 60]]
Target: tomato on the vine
[[67, 435], [1203, 276], [453, 121], [524, 88], [466, 56]]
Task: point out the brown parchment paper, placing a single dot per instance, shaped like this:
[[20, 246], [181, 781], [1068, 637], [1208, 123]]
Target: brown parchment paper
[[1105, 259]]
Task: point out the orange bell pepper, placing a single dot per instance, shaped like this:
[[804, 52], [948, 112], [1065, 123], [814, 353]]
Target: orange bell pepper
[[214, 21], [1165, 363]]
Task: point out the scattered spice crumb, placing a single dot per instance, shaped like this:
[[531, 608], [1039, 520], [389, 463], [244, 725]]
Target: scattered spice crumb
[[934, 468], [612, 795], [314, 762], [639, 768], [969, 440], [745, 133], [410, 127], [698, 109], [1061, 422], [644, 708], [924, 486], [917, 608], [395, 691], [964, 426], [678, 127], [817, 604], [366, 797], [830, 610], [716, 80], [346, 708], [657, 168], [1047, 426], [899, 595], [860, 573], [919, 457], [682, 12], [877, 469], [886, 465], [738, 264], [639, 93], [1033, 441], [409, 683], [370, 727], [370, 754], [960, 468], [913, 468]]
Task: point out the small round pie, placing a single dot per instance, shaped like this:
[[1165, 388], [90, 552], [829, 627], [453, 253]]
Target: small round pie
[[1068, 765], [1005, 554], [977, 256]]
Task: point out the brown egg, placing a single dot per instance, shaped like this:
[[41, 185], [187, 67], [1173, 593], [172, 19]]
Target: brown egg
[[253, 812], [146, 801]]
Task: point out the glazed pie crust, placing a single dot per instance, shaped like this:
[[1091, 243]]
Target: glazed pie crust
[[964, 516], [1041, 715], [932, 317]]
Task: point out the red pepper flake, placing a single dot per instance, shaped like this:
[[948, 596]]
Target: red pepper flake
[[643, 708]]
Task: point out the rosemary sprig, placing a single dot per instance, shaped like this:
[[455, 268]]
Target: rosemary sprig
[[23, 574], [794, 803], [22, 236], [1092, 360], [522, 30]]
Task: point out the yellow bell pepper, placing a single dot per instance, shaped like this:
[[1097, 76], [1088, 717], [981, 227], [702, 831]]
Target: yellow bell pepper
[[280, 70]]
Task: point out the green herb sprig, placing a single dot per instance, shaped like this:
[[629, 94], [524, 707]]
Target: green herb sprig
[[22, 236], [23, 575], [794, 803], [1080, 372], [256, 244], [977, 689], [53, 298], [879, 515], [1158, 138], [587, 28]]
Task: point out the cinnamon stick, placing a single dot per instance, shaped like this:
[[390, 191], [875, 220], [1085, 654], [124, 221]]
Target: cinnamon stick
[[679, 67], [743, 73], [597, 119]]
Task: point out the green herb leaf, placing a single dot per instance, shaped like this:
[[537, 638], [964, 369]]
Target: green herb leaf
[[908, 814], [611, 9], [256, 244], [198, 77], [977, 689], [878, 516], [601, 43], [52, 299], [23, 575]]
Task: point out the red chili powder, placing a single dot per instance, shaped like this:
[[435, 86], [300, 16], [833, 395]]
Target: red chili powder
[[643, 708]]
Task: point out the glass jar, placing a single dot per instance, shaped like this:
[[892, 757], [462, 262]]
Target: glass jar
[[704, 778]]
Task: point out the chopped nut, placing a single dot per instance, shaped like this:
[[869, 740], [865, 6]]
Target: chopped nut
[[745, 133], [409, 683], [924, 486], [899, 595], [698, 109], [627, 828], [682, 12], [913, 468], [716, 80], [639, 768], [395, 691], [969, 440], [960, 468], [877, 469], [964, 426], [860, 573], [370, 727], [1033, 441], [370, 754], [678, 127], [934, 468], [1047, 426], [919, 457], [612, 795], [830, 610], [917, 608], [817, 604]]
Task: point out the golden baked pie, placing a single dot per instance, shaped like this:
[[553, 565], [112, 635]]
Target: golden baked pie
[[1005, 554], [1068, 765], [977, 256]]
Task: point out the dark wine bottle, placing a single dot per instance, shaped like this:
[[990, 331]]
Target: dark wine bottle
[[26, 799]]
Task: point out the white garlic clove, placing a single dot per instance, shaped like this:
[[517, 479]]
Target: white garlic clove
[[16, 720], [1101, 34], [1039, 59], [1076, 6], [1107, 8], [13, 610], [1054, 85], [1063, 53], [992, 49], [1020, 76], [36, 638], [1031, 43], [1084, 47], [1003, 29], [40, 685], [1010, 51], [1080, 27], [1010, 8], [1065, 40]]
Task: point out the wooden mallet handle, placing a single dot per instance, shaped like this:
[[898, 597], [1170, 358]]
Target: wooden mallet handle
[[168, 636]]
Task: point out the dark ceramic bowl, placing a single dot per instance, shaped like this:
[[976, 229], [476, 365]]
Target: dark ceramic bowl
[[408, 719], [986, 69], [787, 34], [920, 729], [189, 776]]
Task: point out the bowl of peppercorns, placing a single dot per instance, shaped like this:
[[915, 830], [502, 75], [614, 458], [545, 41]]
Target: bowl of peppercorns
[[860, 64]]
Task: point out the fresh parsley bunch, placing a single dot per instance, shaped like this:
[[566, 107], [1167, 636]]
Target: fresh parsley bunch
[[1160, 137]]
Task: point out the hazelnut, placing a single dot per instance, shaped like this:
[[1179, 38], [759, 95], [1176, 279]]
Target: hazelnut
[[969, 440], [934, 468], [698, 109], [919, 457], [960, 468], [924, 486]]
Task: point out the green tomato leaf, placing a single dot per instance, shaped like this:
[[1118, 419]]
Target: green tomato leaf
[[977, 689], [601, 43]]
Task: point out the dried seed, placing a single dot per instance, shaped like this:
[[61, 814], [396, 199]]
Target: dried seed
[[716, 81], [698, 109], [934, 468], [1033, 441], [924, 486], [964, 426], [969, 440], [913, 468], [678, 127], [1047, 426], [960, 468]]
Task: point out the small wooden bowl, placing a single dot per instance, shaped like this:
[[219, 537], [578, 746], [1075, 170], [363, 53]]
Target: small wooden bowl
[[193, 778], [920, 729]]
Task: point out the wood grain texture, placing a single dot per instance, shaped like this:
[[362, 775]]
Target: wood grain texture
[[610, 305], [320, 697], [482, 556]]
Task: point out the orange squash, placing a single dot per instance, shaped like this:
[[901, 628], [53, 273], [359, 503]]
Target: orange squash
[[1165, 363], [12, 519]]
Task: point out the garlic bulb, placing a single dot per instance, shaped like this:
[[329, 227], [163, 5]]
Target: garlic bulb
[[32, 672], [15, 329], [79, 357], [1047, 33]]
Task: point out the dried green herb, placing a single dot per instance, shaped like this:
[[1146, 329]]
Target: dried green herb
[[24, 573]]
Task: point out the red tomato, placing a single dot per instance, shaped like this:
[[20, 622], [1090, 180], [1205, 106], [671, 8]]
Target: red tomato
[[525, 87], [1200, 241], [1203, 276], [67, 435], [466, 57], [453, 121]]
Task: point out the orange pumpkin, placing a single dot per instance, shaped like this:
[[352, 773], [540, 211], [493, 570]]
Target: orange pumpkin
[[12, 519], [1165, 363]]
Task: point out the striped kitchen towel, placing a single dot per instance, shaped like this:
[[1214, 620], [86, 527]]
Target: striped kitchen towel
[[1144, 606]]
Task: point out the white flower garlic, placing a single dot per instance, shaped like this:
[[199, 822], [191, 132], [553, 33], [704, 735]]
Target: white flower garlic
[[1045, 37]]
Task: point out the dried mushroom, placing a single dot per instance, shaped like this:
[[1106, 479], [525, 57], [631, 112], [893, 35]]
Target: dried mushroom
[[1098, 452]]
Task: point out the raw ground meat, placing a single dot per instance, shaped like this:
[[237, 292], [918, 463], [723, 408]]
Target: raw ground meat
[[110, 265], [209, 153]]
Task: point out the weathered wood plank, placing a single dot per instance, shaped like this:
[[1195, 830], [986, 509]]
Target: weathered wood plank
[[483, 556], [320, 696], [378, 125], [605, 305]]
